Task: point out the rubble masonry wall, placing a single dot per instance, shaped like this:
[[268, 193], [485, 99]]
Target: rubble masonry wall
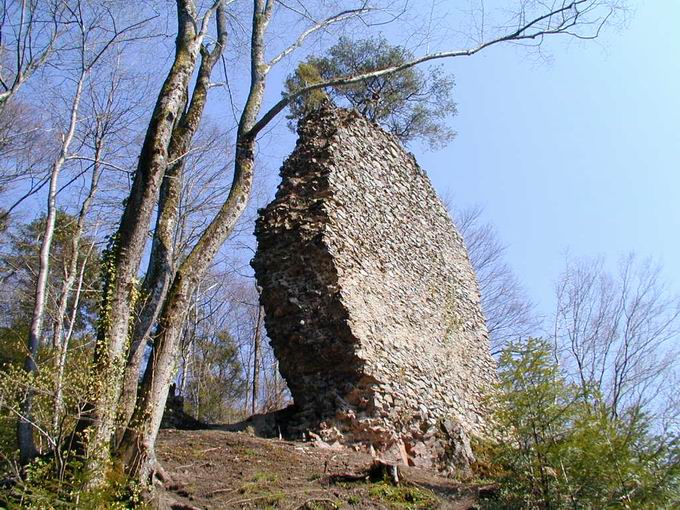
[[372, 306]]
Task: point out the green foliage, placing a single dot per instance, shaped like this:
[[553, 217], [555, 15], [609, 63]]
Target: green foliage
[[19, 269], [15, 382], [265, 476], [215, 381], [47, 486], [412, 103], [107, 277], [559, 447], [13, 343], [403, 496], [307, 73], [56, 478]]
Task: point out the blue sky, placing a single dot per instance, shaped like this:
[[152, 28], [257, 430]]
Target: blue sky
[[580, 154]]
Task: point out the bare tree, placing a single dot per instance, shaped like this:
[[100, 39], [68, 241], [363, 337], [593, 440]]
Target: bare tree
[[105, 115], [508, 311], [94, 34], [257, 359], [212, 377], [29, 32], [617, 333], [128, 243], [275, 391], [25, 150]]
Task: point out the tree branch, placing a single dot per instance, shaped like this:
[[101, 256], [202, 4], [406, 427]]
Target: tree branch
[[523, 33], [337, 18]]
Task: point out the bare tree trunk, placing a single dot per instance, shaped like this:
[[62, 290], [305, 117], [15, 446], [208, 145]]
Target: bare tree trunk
[[63, 348], [67, 287], [256, 358], [25, 438], [127, 245], [137, 446], [162, 259], [248, 380], [275, 373]]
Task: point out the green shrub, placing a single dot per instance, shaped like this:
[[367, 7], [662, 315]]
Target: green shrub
[[560, 447]]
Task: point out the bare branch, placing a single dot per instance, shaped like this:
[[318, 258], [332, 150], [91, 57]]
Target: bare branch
[[536, 29], [337, 18]]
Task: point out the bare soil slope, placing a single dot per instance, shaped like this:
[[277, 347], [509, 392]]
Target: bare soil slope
[[215, 469]]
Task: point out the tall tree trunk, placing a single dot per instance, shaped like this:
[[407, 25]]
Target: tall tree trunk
[[60, 343], [137, 447], [275, 374], [127, 246], [25, 439], [161, 269], [256, 358], [154, 289]]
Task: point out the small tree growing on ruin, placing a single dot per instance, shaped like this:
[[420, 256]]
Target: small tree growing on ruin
[[411, 104]]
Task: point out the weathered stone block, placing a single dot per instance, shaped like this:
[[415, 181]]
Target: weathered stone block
[[371, 303]]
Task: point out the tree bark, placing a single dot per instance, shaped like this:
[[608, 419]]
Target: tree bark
[[127, 246], [256, 358], [25, 439], [161, 267], [137, 446]]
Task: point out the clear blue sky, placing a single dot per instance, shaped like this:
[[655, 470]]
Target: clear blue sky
[[582, 154]]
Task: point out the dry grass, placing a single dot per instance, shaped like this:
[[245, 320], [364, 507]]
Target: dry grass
[[212, 469]]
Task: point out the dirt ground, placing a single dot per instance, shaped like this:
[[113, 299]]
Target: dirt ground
[[214, 469]]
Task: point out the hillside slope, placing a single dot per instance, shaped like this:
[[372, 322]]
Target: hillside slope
[[215, 469]]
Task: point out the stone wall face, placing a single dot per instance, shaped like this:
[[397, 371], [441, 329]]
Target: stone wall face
[[371, 303]]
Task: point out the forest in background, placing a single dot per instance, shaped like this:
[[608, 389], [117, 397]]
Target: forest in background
[[131, 175]]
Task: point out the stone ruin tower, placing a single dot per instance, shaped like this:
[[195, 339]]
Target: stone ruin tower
[[371, 303]]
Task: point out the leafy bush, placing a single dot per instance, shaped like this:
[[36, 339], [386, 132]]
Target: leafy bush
[[559, 447]]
